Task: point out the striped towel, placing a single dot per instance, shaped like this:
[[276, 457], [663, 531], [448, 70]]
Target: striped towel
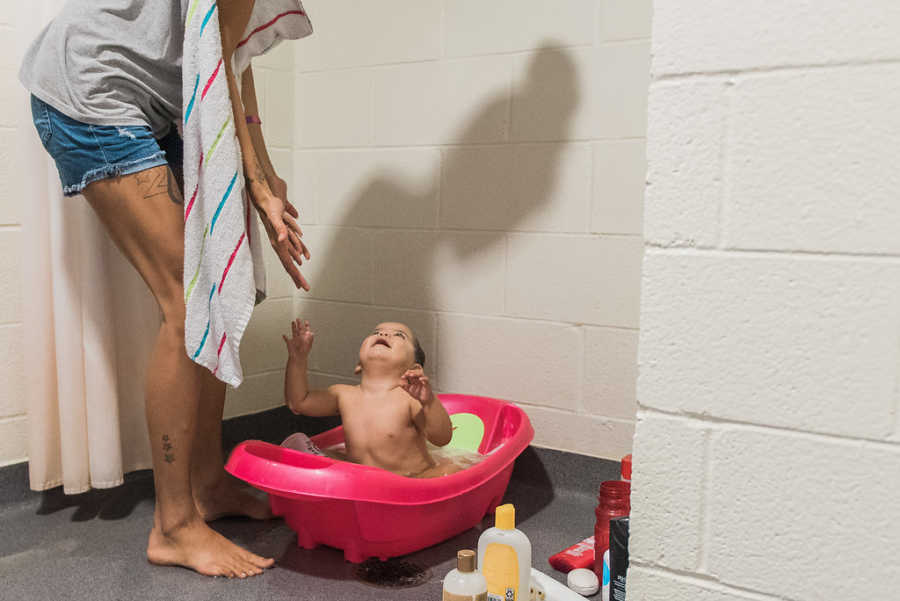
[[224, 276]]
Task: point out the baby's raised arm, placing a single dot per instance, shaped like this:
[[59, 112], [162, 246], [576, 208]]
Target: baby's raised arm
[[427, 411], [297, 395]]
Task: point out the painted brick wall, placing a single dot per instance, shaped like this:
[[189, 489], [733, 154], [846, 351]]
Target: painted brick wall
[[13, 425], [262, 389], [767, 447], [274, 80], [475, 169]]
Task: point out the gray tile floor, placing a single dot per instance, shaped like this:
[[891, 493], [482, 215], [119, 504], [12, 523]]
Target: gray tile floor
[[91, 546]]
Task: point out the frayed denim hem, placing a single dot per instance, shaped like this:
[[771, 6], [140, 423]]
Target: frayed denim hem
[[127, 168]]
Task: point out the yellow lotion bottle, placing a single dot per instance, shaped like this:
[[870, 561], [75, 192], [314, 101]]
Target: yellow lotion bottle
[[504, 555]]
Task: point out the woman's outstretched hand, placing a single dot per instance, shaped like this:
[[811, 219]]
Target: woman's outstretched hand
[[279, 218], [279, 189]]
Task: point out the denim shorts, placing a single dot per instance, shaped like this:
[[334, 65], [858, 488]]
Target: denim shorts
[[86, 153]]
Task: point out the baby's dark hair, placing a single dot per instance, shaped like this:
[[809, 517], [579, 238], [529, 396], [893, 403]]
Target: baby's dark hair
[[420, 354]]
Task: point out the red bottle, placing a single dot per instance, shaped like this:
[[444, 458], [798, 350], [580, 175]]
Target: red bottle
[[613, 501], [625, 470]]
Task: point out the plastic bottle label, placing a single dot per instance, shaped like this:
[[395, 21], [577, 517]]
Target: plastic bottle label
[[454, 597], [501, 570]]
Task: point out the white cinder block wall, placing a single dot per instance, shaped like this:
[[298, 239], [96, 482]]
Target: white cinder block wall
[[13, 427], [767, 447], [475, 169], [274, 68]]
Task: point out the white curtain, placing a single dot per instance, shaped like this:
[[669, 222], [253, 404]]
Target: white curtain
[[88, 321]]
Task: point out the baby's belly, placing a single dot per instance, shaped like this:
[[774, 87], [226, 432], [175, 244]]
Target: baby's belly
[[406, 459]]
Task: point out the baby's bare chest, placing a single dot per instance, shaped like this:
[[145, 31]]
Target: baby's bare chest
[[376, 418]]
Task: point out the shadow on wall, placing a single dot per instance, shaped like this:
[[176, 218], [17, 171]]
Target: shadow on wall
[[413, 265]]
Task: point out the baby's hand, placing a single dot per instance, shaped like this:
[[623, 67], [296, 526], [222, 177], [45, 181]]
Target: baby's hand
[[300, 342], [416, 384]]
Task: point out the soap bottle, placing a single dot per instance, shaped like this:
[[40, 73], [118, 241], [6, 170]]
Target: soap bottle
[[464, 583], [613, 501], [504, 555], [618, 557]]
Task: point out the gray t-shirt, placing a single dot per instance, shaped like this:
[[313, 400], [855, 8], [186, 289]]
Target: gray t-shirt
[[111, 62]]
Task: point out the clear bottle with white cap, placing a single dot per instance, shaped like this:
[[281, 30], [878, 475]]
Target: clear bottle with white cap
[[465, 583]]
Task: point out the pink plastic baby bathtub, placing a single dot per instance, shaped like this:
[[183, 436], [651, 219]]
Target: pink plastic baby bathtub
[[370, 512]]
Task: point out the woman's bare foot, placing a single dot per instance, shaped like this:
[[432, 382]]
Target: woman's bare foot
[[230, 496], [198, 547]]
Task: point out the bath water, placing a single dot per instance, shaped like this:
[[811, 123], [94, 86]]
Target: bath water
[[460, 458]]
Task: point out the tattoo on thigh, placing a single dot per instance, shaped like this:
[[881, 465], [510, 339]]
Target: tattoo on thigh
[[153, 182], [168, 449], [175, 194]]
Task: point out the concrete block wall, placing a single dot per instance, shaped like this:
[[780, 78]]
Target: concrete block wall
[[13, 424], [767, 445], [476, 170], [274, 80], [273, 75]]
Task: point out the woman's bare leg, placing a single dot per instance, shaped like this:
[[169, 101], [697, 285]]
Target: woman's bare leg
[[217, 493], [141, 214]]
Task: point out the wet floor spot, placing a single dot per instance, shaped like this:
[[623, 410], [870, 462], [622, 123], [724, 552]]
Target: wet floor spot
[[394, 573]]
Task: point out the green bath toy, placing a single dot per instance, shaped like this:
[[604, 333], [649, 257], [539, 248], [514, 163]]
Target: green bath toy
[[468, 430]]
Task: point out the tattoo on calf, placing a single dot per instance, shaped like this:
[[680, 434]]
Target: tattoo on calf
[[168, 449]]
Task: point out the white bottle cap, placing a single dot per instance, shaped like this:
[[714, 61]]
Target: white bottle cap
[[583, 581]]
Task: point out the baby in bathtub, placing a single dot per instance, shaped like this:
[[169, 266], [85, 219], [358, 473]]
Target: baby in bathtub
[[390, 415]]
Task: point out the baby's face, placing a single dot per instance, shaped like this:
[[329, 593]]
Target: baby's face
[[389, 341]]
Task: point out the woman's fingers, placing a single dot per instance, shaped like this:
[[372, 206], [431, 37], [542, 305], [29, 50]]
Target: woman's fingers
[[286, 227], [298, 258], [290, 267], [281, 230], [290, 259], [298, 243], [280, 237], [292, 223], [295, 250]]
